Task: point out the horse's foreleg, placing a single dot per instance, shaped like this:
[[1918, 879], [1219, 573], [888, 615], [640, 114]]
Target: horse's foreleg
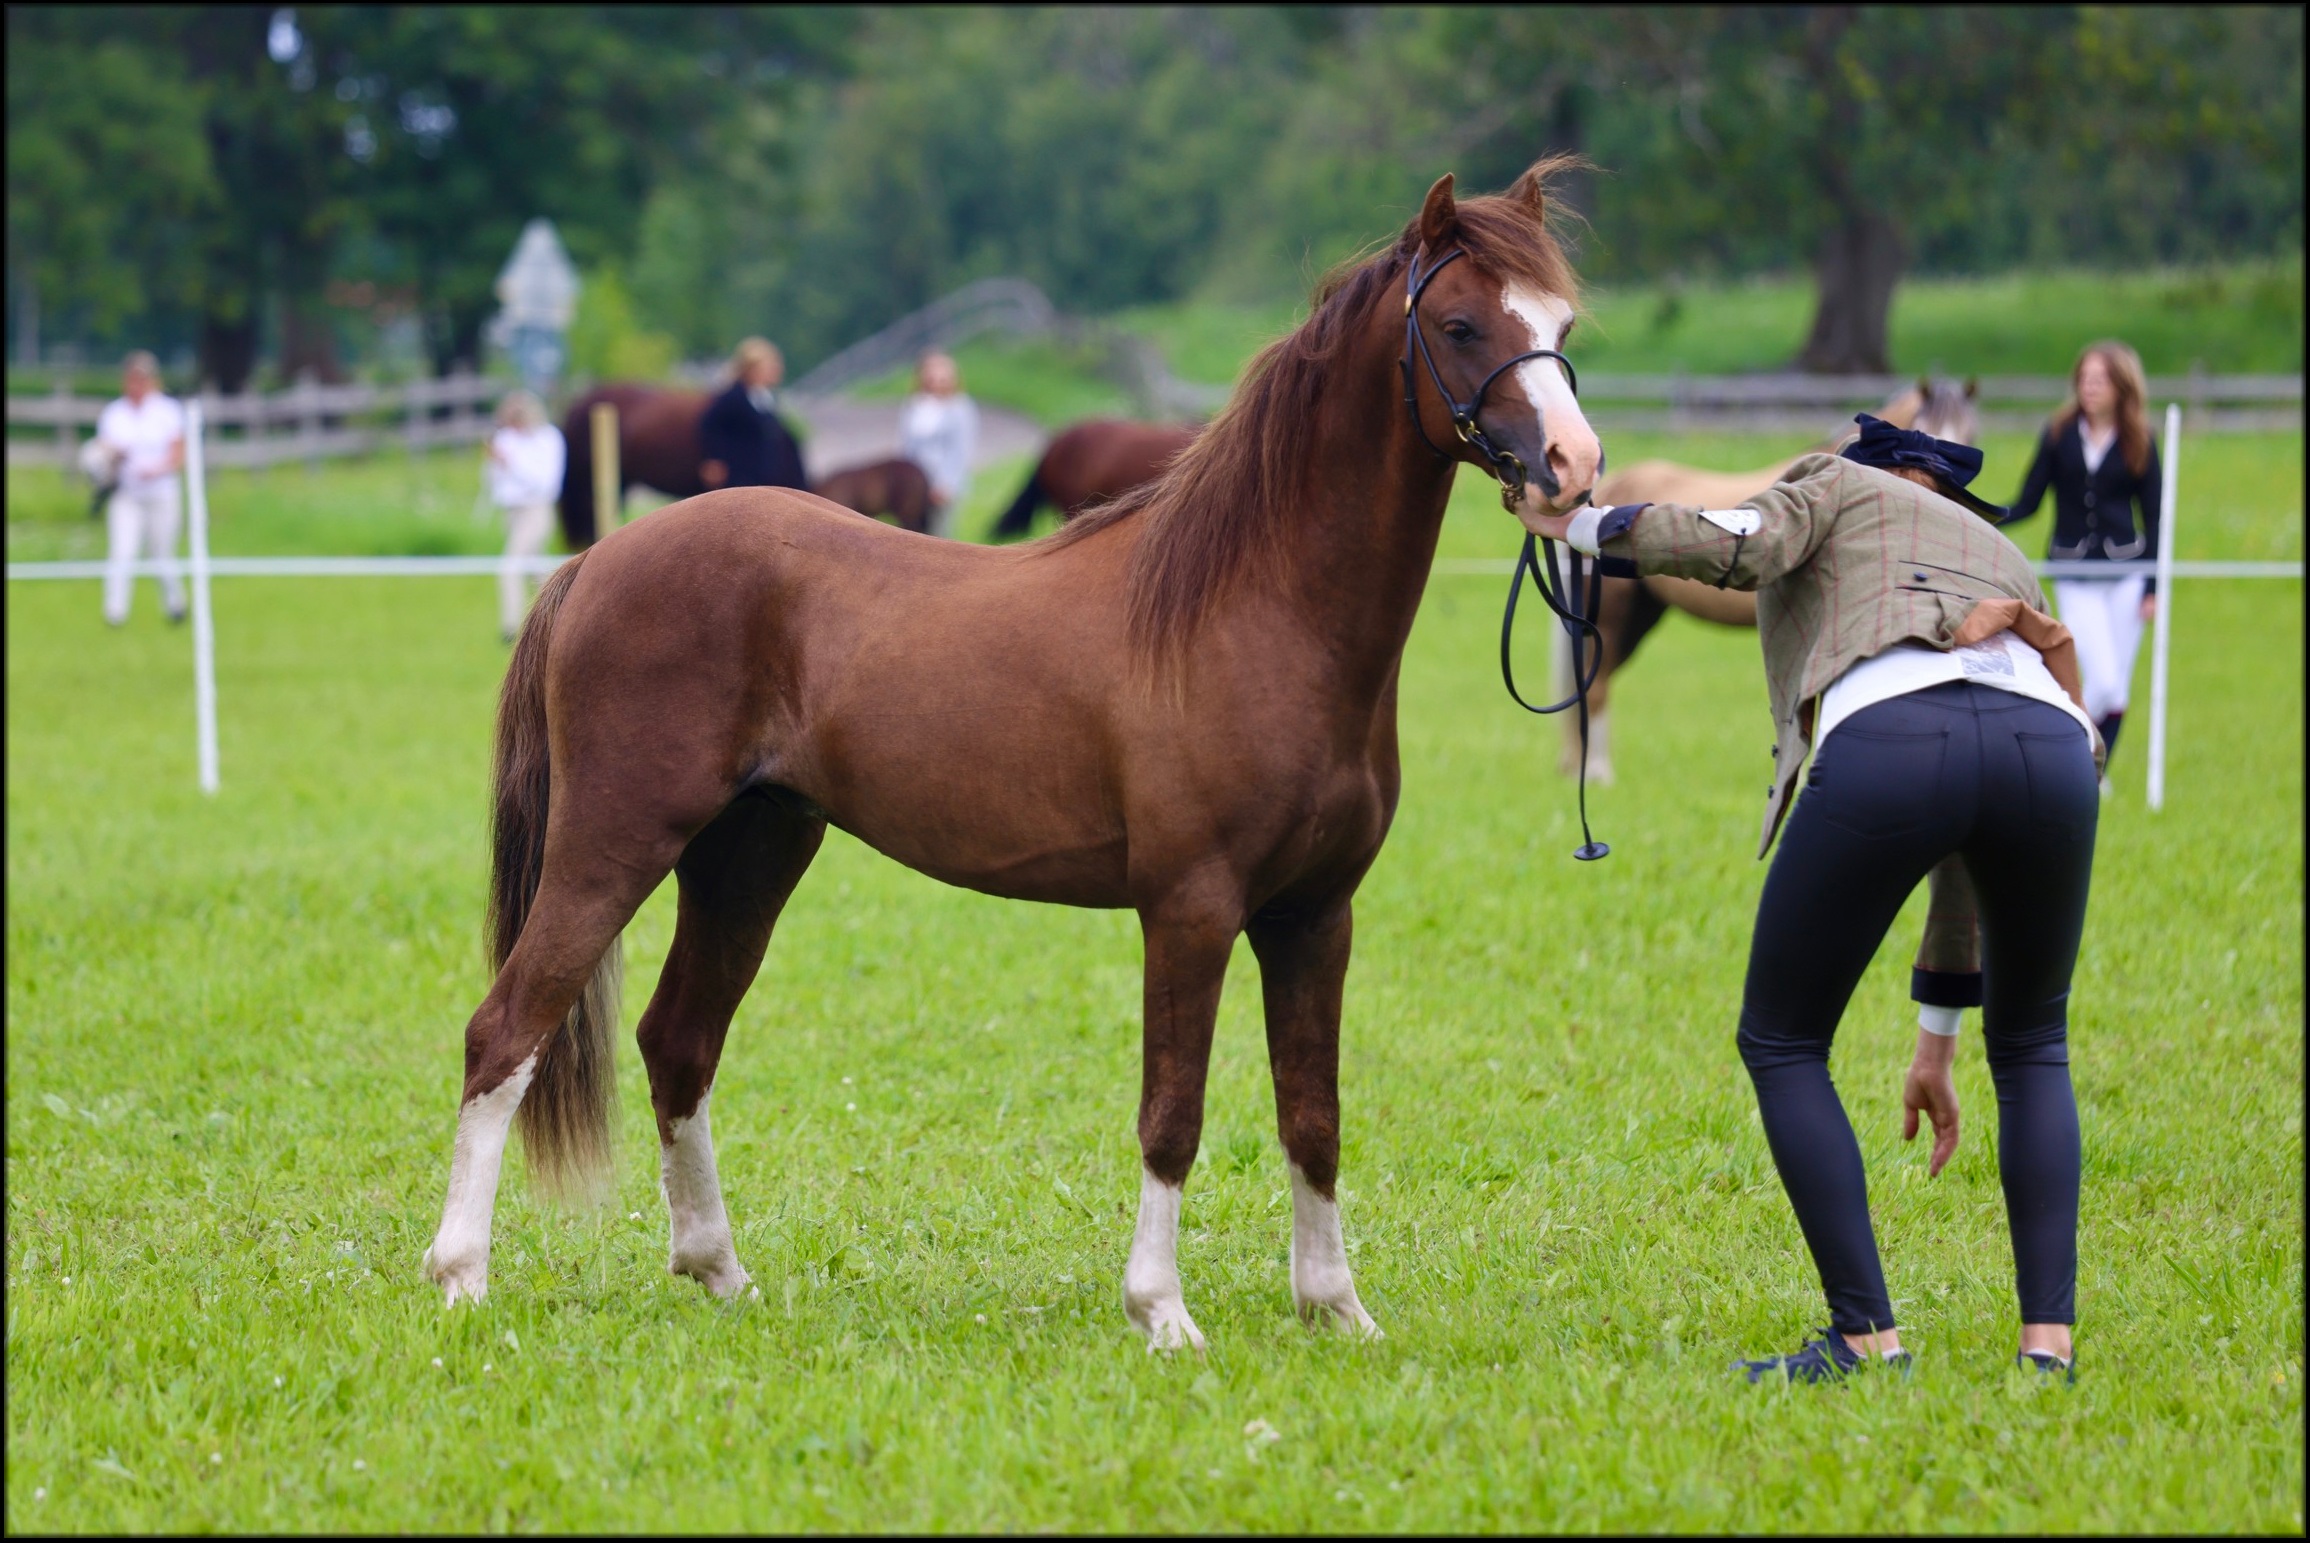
[[734, 879], [1303, 968], [1186, 964]]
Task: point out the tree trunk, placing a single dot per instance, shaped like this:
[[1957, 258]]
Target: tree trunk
[[1859, 264], [308, 343], [228, 351], [27, 316]]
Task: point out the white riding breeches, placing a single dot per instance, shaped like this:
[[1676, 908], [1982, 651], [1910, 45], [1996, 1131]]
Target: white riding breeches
[[526, 528], [2105, 616], [142, 522]]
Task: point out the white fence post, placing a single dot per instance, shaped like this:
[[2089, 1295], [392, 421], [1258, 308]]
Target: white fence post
[[204, 627], [2163, 627]]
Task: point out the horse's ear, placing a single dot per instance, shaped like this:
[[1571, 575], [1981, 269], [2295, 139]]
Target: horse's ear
[[1438, 215], [1972, 387], [1531, 190]]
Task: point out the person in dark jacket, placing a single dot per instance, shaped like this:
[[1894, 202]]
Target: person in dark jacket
[[2102, 465], [745, 443]]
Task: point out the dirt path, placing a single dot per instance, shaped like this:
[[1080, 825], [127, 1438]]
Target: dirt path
[[845, 431]]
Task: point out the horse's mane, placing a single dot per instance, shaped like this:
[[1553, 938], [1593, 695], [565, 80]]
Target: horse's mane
[[1224, 509]]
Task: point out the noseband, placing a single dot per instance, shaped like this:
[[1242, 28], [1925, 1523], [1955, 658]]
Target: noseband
[[1562, 598]]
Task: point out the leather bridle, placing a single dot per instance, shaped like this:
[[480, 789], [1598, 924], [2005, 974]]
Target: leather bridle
[[1564, 599]]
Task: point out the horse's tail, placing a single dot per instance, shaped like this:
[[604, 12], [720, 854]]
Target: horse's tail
[[576, 504], [565, 1115], [1019, 518]]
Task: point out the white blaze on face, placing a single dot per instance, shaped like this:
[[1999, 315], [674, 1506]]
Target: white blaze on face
[[1562, 423]]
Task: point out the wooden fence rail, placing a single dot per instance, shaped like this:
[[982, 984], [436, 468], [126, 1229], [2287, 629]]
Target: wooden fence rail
[[1810, 403], [307, 422]]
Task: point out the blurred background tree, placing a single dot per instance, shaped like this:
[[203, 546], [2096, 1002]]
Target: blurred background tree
[[206, 174]]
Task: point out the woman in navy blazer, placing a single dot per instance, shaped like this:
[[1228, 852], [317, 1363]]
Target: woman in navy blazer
[[2097, 457], [745, 443]]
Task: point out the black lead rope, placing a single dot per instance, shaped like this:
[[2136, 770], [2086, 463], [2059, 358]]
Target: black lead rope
[[1565, 600], [1575, 611]]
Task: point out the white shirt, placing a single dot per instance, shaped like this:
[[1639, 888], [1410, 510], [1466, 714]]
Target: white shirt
[[2004, 662], [2096, 443], [939, 434], [527, 468], [143, 432]]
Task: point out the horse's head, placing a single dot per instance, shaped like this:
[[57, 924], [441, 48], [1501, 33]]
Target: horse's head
[[1945, 409], [1510, 293]]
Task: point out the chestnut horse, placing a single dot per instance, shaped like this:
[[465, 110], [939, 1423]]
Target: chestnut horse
[[1090, 462], [1183, 704], [1628, 609], [896, 488]]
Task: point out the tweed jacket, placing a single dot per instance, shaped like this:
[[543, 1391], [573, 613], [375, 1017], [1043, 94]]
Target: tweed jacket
[[1847, 561]]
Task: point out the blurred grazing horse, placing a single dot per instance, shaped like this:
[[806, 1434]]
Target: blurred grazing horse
[[1090, 462], [658, 447], [1183, 704], [1630, 608], [895, 489]]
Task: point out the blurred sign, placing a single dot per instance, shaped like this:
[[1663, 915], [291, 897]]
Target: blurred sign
[[537, 294]]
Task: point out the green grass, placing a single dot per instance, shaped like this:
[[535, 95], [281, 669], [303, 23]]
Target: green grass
[[392, 504], [2243, 318], [233, 1063], [2246, 319]]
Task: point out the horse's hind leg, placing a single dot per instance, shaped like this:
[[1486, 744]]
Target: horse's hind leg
[[585, 896], [1303, 962], [733, 879]]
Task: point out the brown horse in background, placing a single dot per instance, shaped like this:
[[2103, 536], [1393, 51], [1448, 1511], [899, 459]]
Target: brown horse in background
[[1183, 704], [1090, 462], [896, 489], [1628, 609], [658, 448]]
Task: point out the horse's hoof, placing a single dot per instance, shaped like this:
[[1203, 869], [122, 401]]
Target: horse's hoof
[[723, 1275], [464, 1279], [1600, 773], [1166, 1325], [1347, 1316]]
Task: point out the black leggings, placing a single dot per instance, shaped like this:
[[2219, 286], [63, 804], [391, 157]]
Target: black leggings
[[2008, 782]]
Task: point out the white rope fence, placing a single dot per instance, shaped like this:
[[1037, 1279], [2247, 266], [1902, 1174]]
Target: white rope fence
[[204, 567]]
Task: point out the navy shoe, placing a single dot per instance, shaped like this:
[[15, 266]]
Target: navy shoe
[[2046, 1364], [1822, 1360]]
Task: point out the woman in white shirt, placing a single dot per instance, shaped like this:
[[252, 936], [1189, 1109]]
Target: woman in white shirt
[[526, 460], [939, 432], [143, 431]]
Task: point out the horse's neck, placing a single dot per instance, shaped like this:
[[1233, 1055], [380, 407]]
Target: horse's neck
[[1365, 536]]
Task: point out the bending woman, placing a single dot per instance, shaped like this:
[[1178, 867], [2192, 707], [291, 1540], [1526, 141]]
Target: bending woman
[[2102, 465], [1910, 640]]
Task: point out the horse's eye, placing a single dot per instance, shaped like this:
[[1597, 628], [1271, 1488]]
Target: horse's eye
[[1458, 331]]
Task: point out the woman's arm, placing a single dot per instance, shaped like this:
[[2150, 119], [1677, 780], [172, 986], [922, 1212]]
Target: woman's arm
[[2034, 485], [2150, 498], [1744, 547]]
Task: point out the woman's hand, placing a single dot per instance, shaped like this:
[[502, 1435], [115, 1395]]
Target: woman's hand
[[1931, 1091], [2149, 608], [713, 473], [1536, 518]]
